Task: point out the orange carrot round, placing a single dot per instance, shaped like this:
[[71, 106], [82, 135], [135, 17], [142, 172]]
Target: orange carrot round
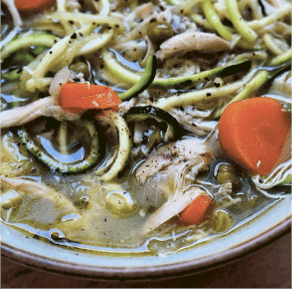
[[197, 210], [78, 97], [253, 132], [26, 5]]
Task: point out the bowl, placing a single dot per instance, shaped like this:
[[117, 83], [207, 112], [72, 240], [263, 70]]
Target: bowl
[[261, 229]]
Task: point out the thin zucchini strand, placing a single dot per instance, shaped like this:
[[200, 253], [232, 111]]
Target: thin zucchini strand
[[281, 12], [105, 9], [124, 145], [27, 41], [239, 24], [62, 137], [52, 56], [261, 77], [271, 45], [198, 96], [61, 7], [215, 21], [118, 71], [58, 165], [248, 90], [203, 76], [222, 30], [202, 21], [145, 80], [282, 58]]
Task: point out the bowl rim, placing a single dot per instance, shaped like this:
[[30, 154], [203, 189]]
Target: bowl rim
[[144, 272]]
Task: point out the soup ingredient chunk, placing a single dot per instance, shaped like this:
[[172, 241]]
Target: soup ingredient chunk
[[255, 133], [189, 41], [226, 173], [120, 203], [197, 210], [158, 32], [42, 107], [76, 97], [32, 5], [176, 204], [192, 154]]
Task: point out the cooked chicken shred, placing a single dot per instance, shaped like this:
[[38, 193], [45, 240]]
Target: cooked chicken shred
[[189, 41]]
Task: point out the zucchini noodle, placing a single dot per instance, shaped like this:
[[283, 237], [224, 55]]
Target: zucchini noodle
[[259, 79], [26, 42], [105, 10], [202, 21], [61, 7], [222, 30], [85, 18], [124, 145], [282, 12], [239, 24], [62, 137], [271, 44], [200, 96]]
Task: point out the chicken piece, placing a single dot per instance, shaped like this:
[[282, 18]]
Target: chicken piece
[[39, 190], [170, 173], [189, 41], [171, 208], [142, 11], [188, 153], [42, 107], [171, 169]]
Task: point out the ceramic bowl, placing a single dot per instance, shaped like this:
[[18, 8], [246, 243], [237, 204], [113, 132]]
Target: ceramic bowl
[[247, 237]]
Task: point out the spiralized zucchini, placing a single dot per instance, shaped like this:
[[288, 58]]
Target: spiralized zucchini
[[124, 145]]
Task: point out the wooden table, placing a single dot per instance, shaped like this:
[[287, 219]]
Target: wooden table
[[268, 267]]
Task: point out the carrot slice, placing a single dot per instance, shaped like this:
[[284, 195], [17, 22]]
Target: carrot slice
[[78, 97], [254, 132], [27, 5], [197, 210]]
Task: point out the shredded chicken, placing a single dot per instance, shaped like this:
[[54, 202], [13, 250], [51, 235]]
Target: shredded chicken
[[190, 152], [61, 77], [192, 119], [174, 205], [42, 107], [189, 41], [171, 172], [141, 11], [31, 187]]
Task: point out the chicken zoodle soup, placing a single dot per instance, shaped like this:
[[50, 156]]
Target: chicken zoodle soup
[[143, 126]]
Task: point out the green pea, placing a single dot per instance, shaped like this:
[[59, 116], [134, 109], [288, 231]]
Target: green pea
[[120, 203], [80, 67], [158, 32], [226, 173], [222, 221]]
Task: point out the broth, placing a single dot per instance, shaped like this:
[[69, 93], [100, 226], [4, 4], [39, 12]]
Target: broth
[[100, 180]]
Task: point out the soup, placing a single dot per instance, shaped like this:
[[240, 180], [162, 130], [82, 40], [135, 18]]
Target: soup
[[143, 127]]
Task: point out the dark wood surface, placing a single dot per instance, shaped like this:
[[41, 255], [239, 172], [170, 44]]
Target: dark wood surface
[[268, 267]]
